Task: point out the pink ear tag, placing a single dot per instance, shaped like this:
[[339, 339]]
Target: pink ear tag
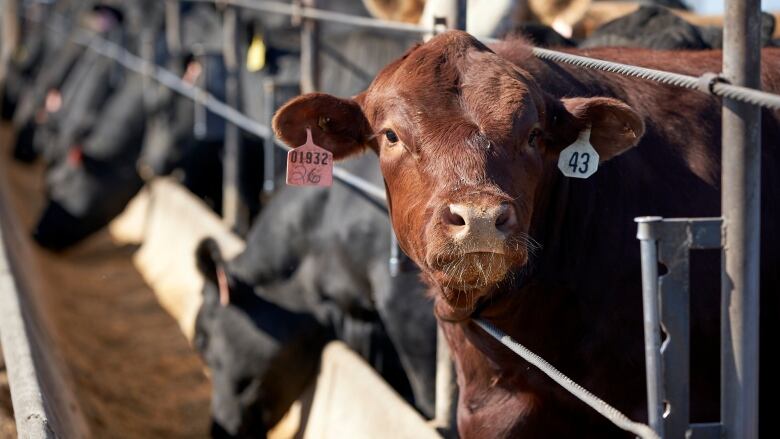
[[309, 165]]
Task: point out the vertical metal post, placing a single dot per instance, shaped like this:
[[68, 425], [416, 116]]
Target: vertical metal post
[[147, 52], [173, 29], [449, 13], [269, 148], [646, 233], [235, 212], [10, 35], [310, 68], [446, 388], [395, 255], [459, 22], [741, 202]]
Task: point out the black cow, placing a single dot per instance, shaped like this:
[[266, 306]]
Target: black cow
[[96, 179], [96, 175], [315, 268], [57, 66], [175, 138], [655, 27], [38, 46]]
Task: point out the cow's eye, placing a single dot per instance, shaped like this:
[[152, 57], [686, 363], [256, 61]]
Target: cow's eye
[[391, 136], [533, 137]]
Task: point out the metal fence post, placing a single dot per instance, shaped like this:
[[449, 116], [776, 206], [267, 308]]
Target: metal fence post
[[235, 212], [310, 69], [10, 35], [445, 419], [741, 202], [646, 233], [173, 30], [450, 13], [269, 148]]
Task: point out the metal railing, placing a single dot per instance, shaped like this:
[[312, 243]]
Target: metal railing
[[739, 40], [23, 375]]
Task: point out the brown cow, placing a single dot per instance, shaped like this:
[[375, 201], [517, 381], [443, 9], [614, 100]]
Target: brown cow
[[468, 140]]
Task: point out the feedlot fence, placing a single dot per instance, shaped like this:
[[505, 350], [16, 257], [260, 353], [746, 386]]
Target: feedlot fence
[[737, 84]]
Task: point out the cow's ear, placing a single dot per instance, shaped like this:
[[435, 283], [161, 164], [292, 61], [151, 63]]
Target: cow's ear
[[337, 124], [614, 126], [208, 258]]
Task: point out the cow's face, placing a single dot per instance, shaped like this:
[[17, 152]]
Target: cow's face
[[466, 141]]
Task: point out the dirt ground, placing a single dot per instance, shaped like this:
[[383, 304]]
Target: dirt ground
[[7, 425], [135, 374]]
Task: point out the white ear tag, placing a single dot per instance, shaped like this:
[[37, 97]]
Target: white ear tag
[[579, 160]]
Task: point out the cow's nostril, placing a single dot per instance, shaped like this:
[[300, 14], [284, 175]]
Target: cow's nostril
[[506, 217], [451, 218]]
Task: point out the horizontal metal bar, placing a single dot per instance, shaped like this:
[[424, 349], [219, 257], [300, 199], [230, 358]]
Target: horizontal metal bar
[[369, 188], [320, 14], [742, 94], [703, 233]]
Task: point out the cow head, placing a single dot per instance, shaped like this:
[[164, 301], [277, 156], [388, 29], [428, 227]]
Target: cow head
[[466, 142], [261, 355]]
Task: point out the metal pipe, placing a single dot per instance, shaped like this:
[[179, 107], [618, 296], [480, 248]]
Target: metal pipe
[[309, 51], [439, 15], [173, 28], [32, 420], [269, 149], [235, 212], [146, 51], [395, 254], [460, 20], [10, 35], [646, 233], [741, 204], [276, 7], [446, 388]]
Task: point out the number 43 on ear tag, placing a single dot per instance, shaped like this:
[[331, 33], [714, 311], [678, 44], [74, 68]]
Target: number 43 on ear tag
[[579, 160], [309, 165]]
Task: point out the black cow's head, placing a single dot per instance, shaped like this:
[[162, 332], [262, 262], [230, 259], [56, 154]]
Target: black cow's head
[[83, 195], [261, 355]]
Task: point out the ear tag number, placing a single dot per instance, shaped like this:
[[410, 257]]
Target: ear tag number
[[579, 160], [309, 165]]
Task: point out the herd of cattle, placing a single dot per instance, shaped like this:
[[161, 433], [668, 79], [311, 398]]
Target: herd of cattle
[[466, 139]]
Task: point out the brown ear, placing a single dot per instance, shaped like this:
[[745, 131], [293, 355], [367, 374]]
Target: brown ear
[[615, 127], [337, 125]]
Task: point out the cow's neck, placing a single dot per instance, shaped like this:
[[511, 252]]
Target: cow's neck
[[500, 394], [489, 375]]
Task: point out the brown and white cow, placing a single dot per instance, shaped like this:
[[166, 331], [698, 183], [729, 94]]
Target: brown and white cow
[[469, 139]]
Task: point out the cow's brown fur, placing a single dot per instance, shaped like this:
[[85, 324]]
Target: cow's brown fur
[[464, 115]]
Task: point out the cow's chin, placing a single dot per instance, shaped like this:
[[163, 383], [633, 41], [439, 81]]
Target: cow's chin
[[464, 280]]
